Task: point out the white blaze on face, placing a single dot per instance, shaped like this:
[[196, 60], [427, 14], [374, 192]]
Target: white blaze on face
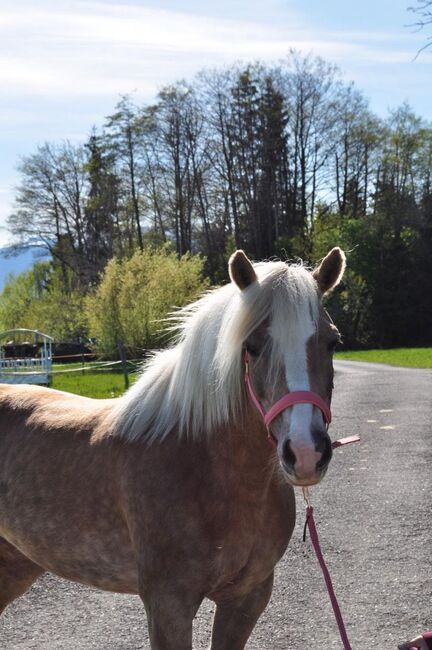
[[297, 420]]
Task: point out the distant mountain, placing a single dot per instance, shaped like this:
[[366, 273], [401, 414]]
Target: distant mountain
[[16, 264]]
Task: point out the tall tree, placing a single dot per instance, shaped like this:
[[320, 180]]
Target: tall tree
[[181, 161], [311, 86], [359, 134], [274, 193], [123, 130], [50, 205], [103, 229]]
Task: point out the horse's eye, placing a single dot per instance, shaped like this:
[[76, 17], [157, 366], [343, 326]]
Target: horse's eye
[[252, 349]]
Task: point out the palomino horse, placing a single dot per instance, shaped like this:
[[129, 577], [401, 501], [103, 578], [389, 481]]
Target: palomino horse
[[172, 491]]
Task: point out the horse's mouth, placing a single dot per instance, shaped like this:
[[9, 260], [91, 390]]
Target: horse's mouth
[[306, 482], [295, 481]]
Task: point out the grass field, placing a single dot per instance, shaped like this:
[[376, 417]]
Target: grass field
[[405, 357], [90, 382], [109, 383]]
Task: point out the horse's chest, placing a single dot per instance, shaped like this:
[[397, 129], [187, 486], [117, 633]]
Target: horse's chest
[[254, 543]]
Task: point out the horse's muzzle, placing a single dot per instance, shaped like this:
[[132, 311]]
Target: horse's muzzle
[[306, 464]]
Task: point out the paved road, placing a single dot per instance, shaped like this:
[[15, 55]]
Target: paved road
[[374, 517]]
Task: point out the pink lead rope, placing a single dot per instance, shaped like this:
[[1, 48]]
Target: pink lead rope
[[288, 400], [310, 523], [336, 609]]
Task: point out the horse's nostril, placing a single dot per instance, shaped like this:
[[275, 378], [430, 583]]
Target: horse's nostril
[[326, 451], [288, 454]]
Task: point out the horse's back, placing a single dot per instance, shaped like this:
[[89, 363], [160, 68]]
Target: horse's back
[[36, 407]]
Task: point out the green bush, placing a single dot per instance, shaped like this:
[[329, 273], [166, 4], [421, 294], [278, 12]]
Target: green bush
[[36, 299], [135, 296]]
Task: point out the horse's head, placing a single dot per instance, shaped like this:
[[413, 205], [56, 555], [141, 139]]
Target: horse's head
[[291, 350]]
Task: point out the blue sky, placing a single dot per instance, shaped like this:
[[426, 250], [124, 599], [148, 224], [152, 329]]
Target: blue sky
[[64, 64]]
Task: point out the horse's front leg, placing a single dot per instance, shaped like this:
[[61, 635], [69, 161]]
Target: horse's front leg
[[235, 619], [170, 613]]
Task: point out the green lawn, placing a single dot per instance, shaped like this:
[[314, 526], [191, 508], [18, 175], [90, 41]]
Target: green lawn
[[406, 357], [93, 381], [92, 384]]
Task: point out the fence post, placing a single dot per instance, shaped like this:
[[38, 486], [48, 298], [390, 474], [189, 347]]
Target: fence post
[[122, 355], [82, 355]]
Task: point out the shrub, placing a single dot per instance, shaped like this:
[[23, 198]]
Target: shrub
[[135, 295], [36, 299]]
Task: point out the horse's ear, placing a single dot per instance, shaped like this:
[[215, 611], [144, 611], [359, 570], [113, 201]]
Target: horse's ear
[[241, 270], [330, 271]]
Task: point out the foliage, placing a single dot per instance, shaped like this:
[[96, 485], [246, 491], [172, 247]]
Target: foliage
[[37, 300], [18, 294], [284, 160], [59, 314], [136, 294]]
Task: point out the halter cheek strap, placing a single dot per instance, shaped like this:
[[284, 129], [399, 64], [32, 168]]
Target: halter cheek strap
[[287, 401]]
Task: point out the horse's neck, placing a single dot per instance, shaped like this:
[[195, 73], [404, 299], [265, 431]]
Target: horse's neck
[[244, 455]]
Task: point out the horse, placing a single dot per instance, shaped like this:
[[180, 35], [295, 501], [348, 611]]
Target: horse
[[172, 491]]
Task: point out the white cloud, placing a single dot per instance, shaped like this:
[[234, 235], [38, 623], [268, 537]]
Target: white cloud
[[94, 49]]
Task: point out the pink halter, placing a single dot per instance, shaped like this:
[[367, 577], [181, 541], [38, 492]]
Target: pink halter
[[288, 400]]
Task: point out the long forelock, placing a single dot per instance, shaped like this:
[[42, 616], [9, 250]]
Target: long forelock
[[197, 385]]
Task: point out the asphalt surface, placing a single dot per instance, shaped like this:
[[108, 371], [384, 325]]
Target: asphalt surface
[[374, 516]]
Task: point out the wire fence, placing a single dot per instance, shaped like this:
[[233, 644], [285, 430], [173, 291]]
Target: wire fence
[[96, 365], [79, 365]]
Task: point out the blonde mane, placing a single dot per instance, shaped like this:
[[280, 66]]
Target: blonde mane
[[197, 385]]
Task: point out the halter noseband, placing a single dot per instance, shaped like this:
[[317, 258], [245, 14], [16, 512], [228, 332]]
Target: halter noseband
[[288, 400]]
